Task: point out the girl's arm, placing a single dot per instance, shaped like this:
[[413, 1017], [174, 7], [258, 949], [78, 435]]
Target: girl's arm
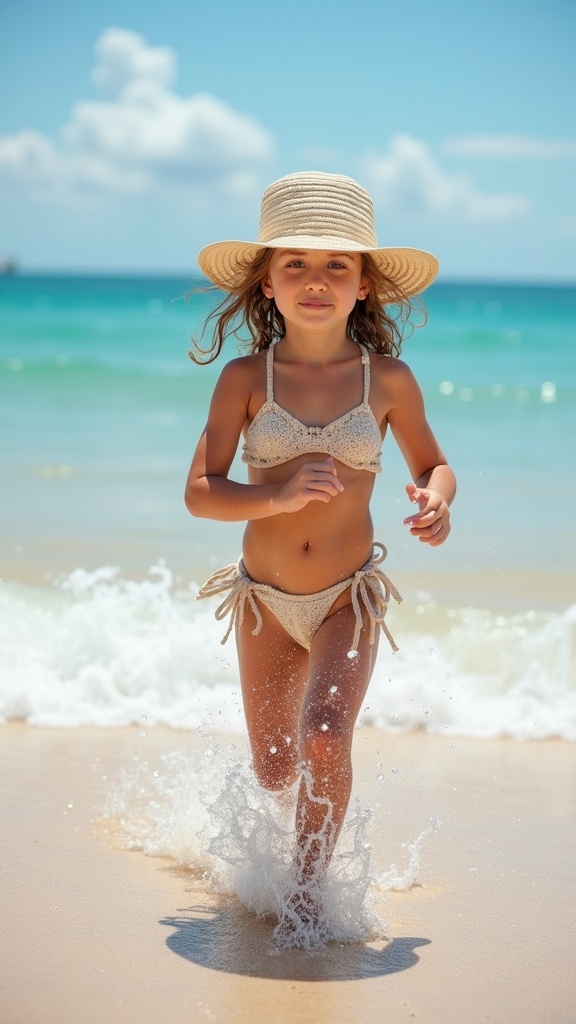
[[434, 484], [209, 492]]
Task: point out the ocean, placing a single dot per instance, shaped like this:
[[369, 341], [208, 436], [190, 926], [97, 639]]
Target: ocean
[[100, 412]]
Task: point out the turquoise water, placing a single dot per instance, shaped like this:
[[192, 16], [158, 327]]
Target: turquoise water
[[100, 411]]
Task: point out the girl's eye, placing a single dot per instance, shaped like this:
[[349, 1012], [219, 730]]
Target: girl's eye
[[333, 265]]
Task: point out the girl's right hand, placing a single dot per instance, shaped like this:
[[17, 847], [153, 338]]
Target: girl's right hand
[[314, 481]]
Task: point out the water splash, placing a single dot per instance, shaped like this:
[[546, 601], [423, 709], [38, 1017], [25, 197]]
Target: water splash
[[210, 815], [392, 879]]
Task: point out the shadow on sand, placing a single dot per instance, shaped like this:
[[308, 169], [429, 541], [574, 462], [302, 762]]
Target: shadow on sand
[[227, 938]]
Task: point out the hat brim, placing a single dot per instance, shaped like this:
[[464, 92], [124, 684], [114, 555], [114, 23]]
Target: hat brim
[[411, 270]]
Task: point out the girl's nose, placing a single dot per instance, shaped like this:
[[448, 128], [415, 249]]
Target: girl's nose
[[315, 280]]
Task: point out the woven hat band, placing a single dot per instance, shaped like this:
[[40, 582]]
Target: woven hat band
[[317, 205]]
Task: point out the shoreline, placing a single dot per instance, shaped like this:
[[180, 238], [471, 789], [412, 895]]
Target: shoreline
[[93, 932], [506, 590]]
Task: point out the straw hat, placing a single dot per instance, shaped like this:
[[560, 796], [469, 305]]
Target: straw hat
[[314, 210]]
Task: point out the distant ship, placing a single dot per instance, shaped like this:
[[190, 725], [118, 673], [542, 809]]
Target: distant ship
[[8, 266]]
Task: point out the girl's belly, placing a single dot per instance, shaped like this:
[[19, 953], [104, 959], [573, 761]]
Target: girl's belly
[[307, 551]]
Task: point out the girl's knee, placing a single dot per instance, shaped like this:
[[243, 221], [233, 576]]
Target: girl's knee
[[326, 738], [274, 770]]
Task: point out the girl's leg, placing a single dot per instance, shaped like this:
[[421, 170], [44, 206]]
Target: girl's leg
[[273, 674], [334, 694]]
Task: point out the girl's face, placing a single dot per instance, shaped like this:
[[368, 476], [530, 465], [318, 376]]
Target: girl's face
[[315, 288]]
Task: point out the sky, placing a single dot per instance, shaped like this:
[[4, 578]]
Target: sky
[[132, 134]]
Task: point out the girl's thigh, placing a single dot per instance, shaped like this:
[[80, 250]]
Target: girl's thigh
[[273, 676], [337, 683]]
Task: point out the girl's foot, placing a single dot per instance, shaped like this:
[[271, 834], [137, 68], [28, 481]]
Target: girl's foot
[[301, 922]]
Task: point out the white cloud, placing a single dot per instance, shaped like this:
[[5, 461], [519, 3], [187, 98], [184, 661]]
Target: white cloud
[[165, 134], [144, 137], [409, 181], [26, 158], [514, 147], [126, 57]]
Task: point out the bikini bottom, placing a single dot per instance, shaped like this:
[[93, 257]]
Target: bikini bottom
[[301, 615]]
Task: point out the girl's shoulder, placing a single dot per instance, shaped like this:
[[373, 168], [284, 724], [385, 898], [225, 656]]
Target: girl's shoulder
[[393, 375], [389, 367], [244, 373]]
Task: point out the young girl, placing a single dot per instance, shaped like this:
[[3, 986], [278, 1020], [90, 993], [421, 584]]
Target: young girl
[[313, 402]]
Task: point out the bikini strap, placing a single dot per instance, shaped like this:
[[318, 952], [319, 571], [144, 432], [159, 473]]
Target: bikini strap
[[270, 374], [366, 365]]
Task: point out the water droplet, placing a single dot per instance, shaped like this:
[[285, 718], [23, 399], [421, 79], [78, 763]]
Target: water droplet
[[333, 689], [324, 727], [395, 770], [288, 740], [380, 777], [142, 718], [352, 654], [273, 750], [70, 806], [156, 775], [446, 387], [548, 391]]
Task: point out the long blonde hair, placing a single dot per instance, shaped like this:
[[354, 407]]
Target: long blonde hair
[[369, 322]]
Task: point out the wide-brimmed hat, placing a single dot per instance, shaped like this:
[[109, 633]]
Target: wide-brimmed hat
[[315, 210]]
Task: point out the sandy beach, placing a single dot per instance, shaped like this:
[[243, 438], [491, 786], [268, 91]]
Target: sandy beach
[[92, 932]]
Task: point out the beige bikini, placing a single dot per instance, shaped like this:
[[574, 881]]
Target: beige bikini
[[274, 437]]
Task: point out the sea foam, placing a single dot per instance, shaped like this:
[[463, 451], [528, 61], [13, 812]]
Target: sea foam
[[99, 649]]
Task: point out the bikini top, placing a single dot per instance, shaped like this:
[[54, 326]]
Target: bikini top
[[275, 436]]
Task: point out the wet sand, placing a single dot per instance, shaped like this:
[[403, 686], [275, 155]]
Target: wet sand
[[92, 932]]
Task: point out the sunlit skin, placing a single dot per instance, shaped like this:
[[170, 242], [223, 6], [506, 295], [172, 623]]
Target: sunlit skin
[[315, 291], [309, 526]]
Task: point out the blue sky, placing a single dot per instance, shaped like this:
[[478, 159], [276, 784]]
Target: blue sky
[[134, 133]]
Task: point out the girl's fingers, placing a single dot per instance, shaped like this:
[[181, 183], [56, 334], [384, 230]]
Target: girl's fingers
[[421, 517], [324, 477], [324, 487]]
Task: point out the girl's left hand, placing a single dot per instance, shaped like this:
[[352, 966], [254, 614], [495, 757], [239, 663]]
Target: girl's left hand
[[432, 523]]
